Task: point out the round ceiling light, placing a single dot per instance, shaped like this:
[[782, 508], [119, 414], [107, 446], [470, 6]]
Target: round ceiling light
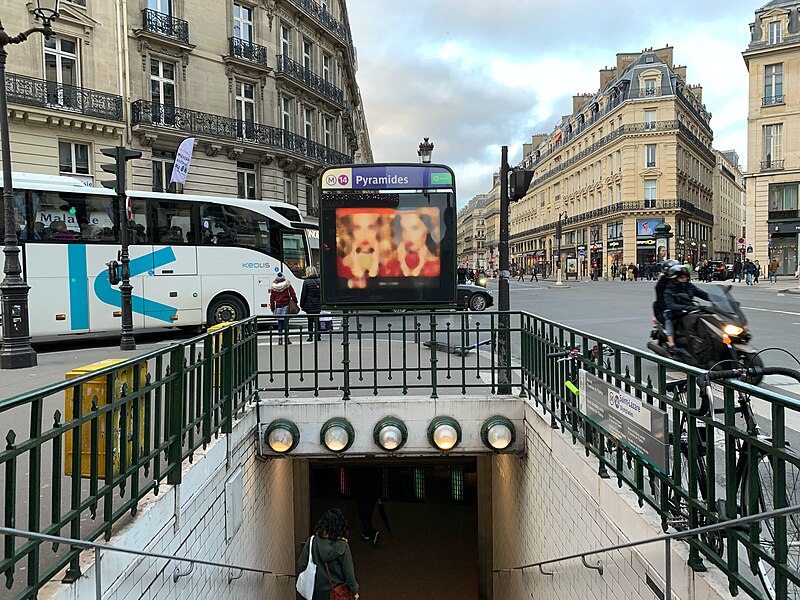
[[337, 434], [498, 433], [444, 433], [390, 434], [282, 436]]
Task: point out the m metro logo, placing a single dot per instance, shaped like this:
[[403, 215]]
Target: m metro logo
[[337, 179]]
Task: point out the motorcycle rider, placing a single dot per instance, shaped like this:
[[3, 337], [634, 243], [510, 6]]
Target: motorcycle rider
[[659, 308], [679, 299]]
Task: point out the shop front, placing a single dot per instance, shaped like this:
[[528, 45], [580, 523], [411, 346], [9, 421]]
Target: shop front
[[614, 256], [646, 253], [784, 246]]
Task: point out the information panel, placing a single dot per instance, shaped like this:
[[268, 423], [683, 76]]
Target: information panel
[[633, 422]]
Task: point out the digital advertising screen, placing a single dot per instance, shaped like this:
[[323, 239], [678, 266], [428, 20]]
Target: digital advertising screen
[[390, 245], [647, 227]]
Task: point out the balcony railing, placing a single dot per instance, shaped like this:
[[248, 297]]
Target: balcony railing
[[772, 165], [310, 79], [248, 51], [775, 215], [78, 2], [770, 100], [226, 128], [58, 96], [632, 205], [325, 18], [166, 25]]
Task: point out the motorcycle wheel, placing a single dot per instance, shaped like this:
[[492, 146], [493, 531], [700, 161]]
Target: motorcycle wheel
[[752, 360]]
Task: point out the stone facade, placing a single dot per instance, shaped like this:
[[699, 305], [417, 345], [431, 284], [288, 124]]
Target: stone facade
[[635, 153], [472, 234], [267, 88], [728, 206], [773, 150]]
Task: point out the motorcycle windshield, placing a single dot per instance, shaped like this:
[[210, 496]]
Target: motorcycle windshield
[[721, 298]]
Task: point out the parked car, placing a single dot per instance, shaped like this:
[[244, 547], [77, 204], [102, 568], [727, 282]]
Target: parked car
[[473, 297]]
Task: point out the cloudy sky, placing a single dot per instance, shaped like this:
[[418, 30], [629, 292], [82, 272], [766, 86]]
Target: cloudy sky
[[474, 75]]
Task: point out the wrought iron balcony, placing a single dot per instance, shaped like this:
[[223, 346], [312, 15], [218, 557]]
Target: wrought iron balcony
[[166, 25], [225, 128], [78, 2], [775, 215], [772, 165], [248, 51], [50, 94], [770, 100], [325, 18], [310, 79], [312, 210]]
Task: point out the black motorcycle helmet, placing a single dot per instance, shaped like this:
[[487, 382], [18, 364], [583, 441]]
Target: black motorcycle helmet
[[668, 264], [676, 271]]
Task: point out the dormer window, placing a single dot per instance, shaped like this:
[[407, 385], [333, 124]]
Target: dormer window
[[775, 32], [649, 87]]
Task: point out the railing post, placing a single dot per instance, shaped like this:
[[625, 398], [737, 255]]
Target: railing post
[[227, 378], [667, 571], [175, 408], [346, 356], [434, 359]]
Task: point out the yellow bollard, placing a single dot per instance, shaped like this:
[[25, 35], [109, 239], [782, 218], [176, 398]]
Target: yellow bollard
[[216, 346], [97, 388]]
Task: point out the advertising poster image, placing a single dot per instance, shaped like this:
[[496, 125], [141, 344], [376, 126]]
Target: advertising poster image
[[647, 227], [384, 246]]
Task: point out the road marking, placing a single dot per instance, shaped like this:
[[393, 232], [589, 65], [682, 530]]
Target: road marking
[[782, 312]]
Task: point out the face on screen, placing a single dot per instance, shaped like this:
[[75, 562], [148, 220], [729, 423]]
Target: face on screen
[[365, 227], [414, 233]]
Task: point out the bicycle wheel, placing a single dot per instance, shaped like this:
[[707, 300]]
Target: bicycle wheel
[[765, 502], [679, 505]]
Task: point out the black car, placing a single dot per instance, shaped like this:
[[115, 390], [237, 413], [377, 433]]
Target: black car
[[719, 270], [473, 297]]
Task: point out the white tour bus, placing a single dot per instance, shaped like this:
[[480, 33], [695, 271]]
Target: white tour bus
[[195, 260]]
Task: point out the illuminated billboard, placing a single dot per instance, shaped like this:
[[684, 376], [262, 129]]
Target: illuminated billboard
[[388, 235]]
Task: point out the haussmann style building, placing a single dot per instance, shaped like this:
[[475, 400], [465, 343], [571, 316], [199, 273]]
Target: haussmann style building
[[773, 143], [267, 88], [633, 154]]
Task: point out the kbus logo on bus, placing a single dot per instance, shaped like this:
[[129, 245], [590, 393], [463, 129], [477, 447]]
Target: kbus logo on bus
[[255, 265]]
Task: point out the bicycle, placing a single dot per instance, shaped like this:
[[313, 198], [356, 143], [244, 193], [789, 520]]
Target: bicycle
[[748, 501]]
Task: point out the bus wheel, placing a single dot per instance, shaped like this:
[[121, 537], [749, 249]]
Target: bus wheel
[[225, 309]]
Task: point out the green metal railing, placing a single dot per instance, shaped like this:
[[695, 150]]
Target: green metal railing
[[744, 472], [190, 394]]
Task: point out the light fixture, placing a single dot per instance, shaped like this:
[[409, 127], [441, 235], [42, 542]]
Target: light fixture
[[444, 433], [390, 434], [337, 434], [425, 151], [282, 436], [46, 11], [498, 433]]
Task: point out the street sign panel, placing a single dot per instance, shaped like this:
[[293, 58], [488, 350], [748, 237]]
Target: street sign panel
[[636, 424], [741, 240]]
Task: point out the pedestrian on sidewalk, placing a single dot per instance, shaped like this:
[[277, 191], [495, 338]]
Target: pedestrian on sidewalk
[[331, 553], [737, 270], [311, 302], [520, 275], [280, 293], [756, 272], [772, 269], [535, 274]]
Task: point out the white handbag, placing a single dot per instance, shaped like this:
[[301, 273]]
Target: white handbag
[[305, 580]]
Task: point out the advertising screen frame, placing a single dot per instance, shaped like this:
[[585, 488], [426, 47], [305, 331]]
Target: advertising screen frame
[[651, 224], [398, 201]]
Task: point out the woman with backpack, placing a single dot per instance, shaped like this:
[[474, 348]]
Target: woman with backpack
[[311, 301]]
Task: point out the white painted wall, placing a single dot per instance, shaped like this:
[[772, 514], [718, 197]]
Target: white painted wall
[[265, 539], [551, 503]]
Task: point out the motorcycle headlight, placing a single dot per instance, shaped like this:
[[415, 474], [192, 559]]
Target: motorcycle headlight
[[732, 330]]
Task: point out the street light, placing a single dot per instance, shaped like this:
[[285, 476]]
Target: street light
[[663, 236], [16, 352], [558, 235], [425, 151]]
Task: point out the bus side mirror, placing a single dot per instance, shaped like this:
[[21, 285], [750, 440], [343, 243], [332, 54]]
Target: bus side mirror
[[113, 272]]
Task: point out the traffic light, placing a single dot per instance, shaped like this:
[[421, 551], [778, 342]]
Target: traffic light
[[519, 183], [121, 156]]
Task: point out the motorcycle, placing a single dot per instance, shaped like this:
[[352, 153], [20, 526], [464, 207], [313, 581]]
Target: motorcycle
[[714, 335]]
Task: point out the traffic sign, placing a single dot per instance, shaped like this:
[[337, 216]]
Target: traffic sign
[[581, 252], [741, 240]]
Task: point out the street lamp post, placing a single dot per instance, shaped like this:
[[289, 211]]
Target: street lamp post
[[16, 351], [561, 215], [425, 151]]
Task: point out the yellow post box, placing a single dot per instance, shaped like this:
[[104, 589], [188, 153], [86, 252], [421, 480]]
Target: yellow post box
[[97, 388]]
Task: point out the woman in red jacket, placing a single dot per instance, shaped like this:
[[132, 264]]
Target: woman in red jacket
[[280, 291]]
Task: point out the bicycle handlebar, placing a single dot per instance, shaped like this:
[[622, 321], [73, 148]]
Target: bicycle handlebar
[[752, 372], [573, 352]]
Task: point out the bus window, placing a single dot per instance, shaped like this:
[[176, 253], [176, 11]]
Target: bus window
[[234, 226], [64, 217], [171, 223], [295, 253]]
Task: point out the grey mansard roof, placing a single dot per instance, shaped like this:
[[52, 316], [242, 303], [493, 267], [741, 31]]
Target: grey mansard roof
[[779, 3]]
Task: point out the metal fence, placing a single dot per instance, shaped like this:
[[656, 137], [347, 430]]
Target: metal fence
[[72, 462]]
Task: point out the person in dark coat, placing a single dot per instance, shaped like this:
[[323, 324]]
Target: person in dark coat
[[330, 549], [311, 301], [679, 298]]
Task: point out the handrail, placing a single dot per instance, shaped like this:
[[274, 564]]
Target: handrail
[[95, 546], [678, 535]]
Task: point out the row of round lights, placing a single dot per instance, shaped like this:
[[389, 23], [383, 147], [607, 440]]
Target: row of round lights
[[390, 434]]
